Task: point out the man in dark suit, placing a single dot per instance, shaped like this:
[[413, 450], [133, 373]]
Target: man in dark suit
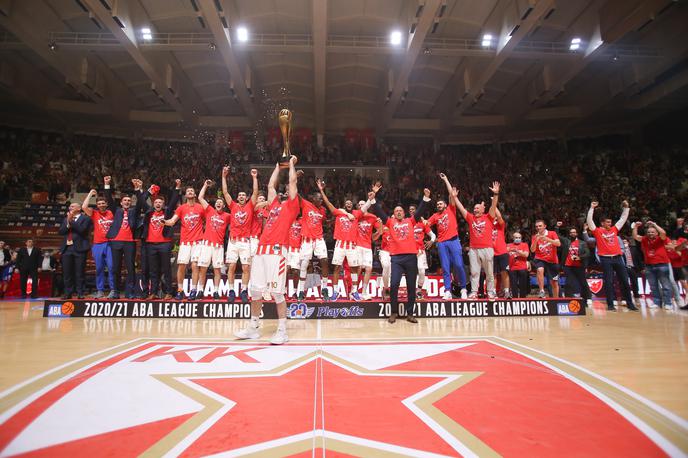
[[29, 260], [75, 245]]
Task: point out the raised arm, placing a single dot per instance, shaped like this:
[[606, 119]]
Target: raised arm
[[293, 188], [420, 209], [457, 202], [635, 226], [328, 204], [495, 199], [591, 210], [254, 194], [378, 229], [85, 206], [225, 192], [201, 194], [107, 181], [175, 197], [272, 184], [624, 215], [138, 192], [662, 232], [444, 178]]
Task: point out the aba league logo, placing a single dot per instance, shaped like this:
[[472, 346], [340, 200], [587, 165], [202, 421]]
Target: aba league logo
[[478, 227], [191, 220], [104, 222], [157, 221], [240, 217], [314, 217], [449, 397], [216, 222]]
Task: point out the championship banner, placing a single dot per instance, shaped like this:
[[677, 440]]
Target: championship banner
[[310, 309]]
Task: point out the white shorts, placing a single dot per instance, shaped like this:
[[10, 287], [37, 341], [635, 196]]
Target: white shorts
[[211, 253], [269, 274], [253, 241], [385, 258], [189, 253], [294, 258], [239, 250], [313, 247], [351, 255], [365, 256], [422, 260]]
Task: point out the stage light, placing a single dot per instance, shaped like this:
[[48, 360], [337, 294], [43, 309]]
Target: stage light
[[395, 38], [575, 44], [487, 40], [242, 34], [147, 35]]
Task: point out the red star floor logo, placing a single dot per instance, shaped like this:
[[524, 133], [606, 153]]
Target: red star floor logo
[[460, 397]]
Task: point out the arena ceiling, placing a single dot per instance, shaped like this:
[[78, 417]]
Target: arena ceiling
[[178, 65]]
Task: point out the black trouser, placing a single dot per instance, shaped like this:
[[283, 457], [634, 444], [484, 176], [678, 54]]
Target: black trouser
[[24, 278], [159, 264], [520, 282], [404, 264], [633, 277], [145, 269], [576, 282], [128, 251], [73, 266], [610, 266]]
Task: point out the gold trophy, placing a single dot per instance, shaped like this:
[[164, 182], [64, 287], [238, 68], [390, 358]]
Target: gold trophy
[[285, 127]]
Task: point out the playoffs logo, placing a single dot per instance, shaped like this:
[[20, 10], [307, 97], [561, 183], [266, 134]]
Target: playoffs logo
[[314, 218], [443, 222], [272, 216], [157, 221], [365, 229], [295, 230], [609, 238], [345, 223], [217, 222]]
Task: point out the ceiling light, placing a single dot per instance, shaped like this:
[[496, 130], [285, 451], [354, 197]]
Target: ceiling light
[[487, 40], [147, 35], [395, 38], [575, 44], [242, 34]]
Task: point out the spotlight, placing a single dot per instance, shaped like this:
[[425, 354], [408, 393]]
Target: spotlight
[[395, 38], [575, 44], [242, 34], [487, 40], [52, 46], [147, 35], [211, 46]]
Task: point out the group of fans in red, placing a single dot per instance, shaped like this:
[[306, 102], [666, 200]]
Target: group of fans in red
[[272, 233]]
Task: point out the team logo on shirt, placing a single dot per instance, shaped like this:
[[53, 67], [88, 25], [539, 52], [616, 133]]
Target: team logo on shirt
[[573, 250], [314, 217], [191, 220], [217, 222], [240, 217], [545, 248], [295, 230], [609, 238], [364, 228], [157, 221], [478, 227], [418, 233], [494, 235], [443, 222], [104, 222], [272, 216], [401, 230], [345, 222], [125, 221]]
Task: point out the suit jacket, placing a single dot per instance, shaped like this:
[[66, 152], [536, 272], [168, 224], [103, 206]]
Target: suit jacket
[[172, 202], [29, 262], [118, 212], [80, 233], [8, 257], [583, 250]]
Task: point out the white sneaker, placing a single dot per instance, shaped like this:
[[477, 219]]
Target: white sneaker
[[464, 294], [366, 297], [279, 337], [248, 332], [652, 305], [447, 295], [589, 302], [491, 296]]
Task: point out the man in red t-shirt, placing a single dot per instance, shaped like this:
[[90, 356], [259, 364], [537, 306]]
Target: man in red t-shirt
[[190, 242], [369, 229], [544, 244], [481, 251], [518, 266], [269, 265], [241, 227], [212, 249], [100, 248], [420, 230], [313, 215], [609, 251], [674, 252], [294, 253], [501, 255], [657, 263], [345, 236]]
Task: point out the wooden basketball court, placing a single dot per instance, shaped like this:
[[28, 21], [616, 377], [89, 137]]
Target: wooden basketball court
[[609, 384]]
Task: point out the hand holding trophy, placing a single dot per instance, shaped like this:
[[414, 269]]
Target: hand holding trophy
[[285, 126]]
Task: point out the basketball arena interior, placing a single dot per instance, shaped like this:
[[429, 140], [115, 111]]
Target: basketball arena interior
[[225, 224]]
